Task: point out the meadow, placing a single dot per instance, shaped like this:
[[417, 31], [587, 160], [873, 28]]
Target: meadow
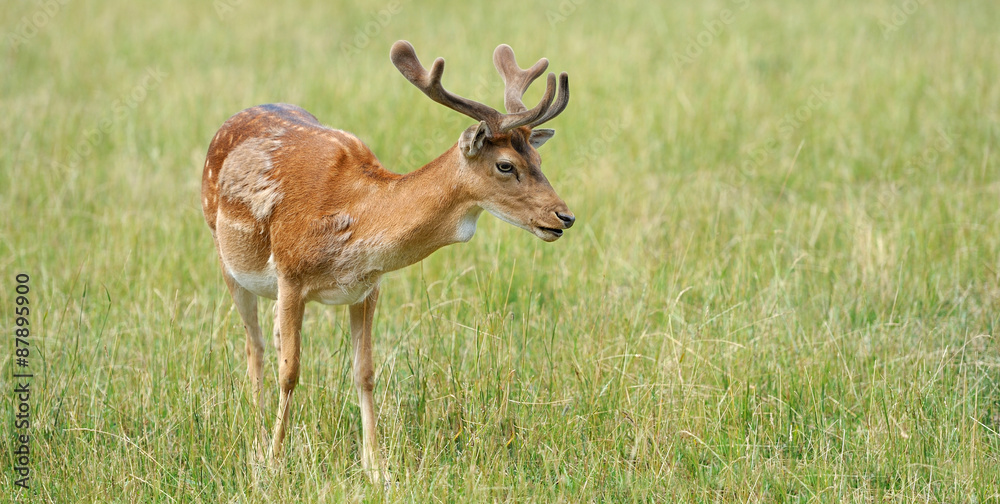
[[783, 284]]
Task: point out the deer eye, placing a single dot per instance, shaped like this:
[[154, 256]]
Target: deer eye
[[505, 167]]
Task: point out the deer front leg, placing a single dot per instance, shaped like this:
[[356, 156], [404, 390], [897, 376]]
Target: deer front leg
[[362, 315], [246, 306], [290, 310]]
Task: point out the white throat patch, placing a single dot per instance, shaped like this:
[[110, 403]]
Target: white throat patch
[[467, 225]]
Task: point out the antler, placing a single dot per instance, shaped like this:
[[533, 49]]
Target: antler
[[404, 57], [561, 101], [516, 79]]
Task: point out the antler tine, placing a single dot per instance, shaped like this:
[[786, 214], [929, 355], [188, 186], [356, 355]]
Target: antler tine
[[511, 121], [516, 79], [559, 105], [404, 57]]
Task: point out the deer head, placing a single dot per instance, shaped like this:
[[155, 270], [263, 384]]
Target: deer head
[[499, 159]]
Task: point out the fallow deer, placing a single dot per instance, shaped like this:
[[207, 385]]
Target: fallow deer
[[301, 212]]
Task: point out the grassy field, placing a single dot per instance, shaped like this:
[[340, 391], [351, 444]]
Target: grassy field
[[783, 285]]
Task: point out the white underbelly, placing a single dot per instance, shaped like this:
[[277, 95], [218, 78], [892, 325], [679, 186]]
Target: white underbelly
[[265, 284], [262, 283], [342, 295]]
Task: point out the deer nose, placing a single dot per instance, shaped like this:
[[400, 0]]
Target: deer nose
[[567, 219]]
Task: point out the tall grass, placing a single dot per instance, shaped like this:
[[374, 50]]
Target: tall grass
[[783, 285]]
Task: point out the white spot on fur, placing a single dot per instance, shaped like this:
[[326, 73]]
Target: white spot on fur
[[239, 225], [334, 140]]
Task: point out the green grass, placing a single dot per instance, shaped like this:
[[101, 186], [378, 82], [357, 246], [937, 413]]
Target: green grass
[[753, 305]]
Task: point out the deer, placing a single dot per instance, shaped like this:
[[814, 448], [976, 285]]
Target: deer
[[300, 212]]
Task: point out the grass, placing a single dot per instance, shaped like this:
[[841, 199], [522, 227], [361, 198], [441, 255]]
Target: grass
[[784, 284]]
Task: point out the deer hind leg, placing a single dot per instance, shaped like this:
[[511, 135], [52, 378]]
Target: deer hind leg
[[246, 305], [362, 315], [277, 329], [290, 309]]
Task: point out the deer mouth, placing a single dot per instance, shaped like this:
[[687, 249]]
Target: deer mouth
[[549, 234]]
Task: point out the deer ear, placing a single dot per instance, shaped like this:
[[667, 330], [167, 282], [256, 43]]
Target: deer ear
[[473, 139], [540, 136]]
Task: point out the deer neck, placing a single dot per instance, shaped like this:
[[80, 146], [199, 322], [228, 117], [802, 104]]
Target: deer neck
[[428, 208]]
